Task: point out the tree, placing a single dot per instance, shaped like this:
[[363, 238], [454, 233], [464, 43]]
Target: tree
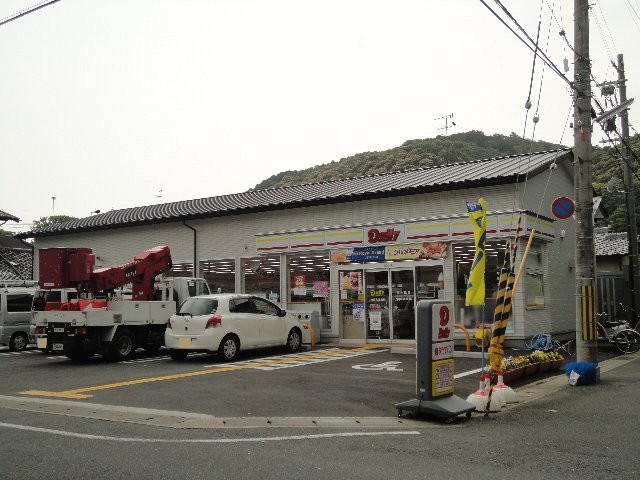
[[45, 222], [4, 232]]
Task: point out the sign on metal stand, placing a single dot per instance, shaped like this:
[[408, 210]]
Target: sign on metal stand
[[434, 364]]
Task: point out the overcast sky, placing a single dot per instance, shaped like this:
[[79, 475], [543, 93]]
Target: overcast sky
[[109, 104]]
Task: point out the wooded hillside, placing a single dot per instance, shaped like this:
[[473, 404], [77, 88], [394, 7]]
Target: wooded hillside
[[462, 147]]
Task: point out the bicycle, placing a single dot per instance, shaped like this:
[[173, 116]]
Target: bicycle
[[630, 318], [617, 333]]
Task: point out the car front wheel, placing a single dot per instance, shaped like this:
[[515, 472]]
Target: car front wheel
[[294, 340]]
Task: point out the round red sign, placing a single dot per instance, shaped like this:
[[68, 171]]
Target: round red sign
[[563, 207]]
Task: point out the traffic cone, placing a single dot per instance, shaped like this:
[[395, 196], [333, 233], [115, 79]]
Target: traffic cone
[[494, 403], [479, 397], [503, 391]]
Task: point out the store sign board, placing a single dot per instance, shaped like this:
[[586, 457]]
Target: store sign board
[[358, 254], [442, 377], [384, 234], [416, 251], [412, 251], [442, 324], [442, 350]]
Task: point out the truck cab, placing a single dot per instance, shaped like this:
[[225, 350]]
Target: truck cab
[[179, 289]]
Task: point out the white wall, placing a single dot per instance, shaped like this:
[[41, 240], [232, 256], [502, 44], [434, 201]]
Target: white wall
[[234, 237]]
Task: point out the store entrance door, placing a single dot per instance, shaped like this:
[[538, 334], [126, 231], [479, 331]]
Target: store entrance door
[[390, 305], [403, 305], [376, 305]]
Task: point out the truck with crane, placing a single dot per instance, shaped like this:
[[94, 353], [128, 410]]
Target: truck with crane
[[79, 311]]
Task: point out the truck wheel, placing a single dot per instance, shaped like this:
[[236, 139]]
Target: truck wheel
[[18, 342], [178, 354], [123, 345], [229, 347]]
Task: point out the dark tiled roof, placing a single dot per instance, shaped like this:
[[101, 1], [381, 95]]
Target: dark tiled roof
[[15, 259], [7, 216], [9, 241], [454, 176], [610, 243]]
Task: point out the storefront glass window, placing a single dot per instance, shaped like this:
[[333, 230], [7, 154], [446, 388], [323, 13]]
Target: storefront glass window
[[430, 282], [219, 274], [181, 270], [377, 304], [352, 313], [262, 277], [534, 289], [463, 253], [308, 285]]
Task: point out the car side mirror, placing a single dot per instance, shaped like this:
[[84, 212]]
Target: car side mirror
[[282, 313]]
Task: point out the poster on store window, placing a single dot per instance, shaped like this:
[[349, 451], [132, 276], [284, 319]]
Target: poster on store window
[[375, 320], [320, 289], [299, 284], [358, 312], [351, 286]]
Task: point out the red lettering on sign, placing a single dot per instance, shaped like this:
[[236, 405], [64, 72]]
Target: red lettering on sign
[[376, 236], [444, 333], [444, 316]]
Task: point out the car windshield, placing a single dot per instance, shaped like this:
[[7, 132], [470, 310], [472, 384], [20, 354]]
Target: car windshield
[[199, 306]]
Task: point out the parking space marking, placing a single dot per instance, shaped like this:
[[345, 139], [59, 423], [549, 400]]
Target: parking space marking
[[388, 366], [300, 359], [81, 393], [317, 436]]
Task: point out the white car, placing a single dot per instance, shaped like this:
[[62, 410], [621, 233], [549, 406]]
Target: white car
[[228, 323]]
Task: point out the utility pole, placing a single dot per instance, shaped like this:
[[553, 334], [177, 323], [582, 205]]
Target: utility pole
[[628, 164], [586, 340]]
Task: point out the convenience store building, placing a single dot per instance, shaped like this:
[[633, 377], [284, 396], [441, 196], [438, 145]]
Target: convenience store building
[[358, 254]]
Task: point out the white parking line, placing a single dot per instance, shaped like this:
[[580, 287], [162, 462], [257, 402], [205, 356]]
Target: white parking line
[[466, 374], [306, 358], [321, 436]]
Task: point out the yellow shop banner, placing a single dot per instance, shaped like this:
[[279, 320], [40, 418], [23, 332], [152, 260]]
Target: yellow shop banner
[[416, 251]]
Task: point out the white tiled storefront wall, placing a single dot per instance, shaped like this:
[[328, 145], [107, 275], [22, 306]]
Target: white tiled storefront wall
[[234, 236]]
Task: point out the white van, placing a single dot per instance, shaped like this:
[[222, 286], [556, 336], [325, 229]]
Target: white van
[[15, 313]]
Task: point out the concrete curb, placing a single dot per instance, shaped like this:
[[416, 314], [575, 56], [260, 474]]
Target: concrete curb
[[541, 388]]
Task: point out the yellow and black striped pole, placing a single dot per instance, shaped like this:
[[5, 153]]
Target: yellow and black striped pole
[[503, 302]]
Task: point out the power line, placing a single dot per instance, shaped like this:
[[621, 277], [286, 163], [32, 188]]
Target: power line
[[634, 13], [26, 11], [529, 43]]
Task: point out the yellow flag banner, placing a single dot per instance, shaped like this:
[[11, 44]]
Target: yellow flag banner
[[475, 286]]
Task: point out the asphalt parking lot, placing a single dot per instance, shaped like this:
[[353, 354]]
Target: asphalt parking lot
[[326, 381]]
